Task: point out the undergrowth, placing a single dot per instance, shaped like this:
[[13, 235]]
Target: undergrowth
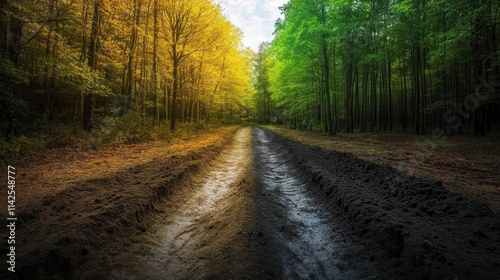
[[108, 131]]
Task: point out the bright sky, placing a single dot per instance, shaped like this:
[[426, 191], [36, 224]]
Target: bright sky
[[255, 18]]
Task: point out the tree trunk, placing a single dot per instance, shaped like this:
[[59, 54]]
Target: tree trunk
[[326, 66], [155, 62], [175, 70], [88, 108]]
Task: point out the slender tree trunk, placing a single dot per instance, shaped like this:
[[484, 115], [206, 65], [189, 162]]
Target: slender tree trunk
[[167, 98], [88, 109], [373, 100], [129, 77], [364, 99], [326, 66], [175, 72], [389, 92], [155, 62]]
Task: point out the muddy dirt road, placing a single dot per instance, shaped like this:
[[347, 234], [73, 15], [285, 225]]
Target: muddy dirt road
[[180, 238], [272, 208], [231, 224], [257, 205]]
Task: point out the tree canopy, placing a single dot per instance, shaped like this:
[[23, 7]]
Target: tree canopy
[[80, 61], [365, 65]]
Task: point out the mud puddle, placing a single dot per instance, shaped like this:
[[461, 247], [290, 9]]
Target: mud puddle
[[311, 246]]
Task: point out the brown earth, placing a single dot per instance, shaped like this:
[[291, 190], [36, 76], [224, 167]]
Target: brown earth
[[250, 206], [204, 231], [76, 206]]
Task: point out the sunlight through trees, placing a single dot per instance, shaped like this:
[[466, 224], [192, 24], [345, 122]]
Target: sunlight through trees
[[83, 60]]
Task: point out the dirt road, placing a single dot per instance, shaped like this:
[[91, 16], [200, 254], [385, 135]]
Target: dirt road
[[250, 217], [179, 240], [272, 208], [265, 207]]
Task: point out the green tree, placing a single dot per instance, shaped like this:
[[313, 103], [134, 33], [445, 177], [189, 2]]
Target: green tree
[[261, 84]]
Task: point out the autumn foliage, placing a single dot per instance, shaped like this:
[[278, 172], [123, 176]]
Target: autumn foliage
[[84, 61]]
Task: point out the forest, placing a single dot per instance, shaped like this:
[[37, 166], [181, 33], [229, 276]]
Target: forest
[[416, 66], [85, 65], [147, 139], [136, 67]]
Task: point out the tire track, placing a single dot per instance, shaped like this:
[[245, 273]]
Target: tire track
[[180, 235], [312, 246]]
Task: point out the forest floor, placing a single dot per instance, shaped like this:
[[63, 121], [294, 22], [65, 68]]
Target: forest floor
[[251, 203]]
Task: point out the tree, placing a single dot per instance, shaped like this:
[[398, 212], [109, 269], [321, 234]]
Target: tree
[[384, 65], [88, 109], [261, 84], [185, 23]]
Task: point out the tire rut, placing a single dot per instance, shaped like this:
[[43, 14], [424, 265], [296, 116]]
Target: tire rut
[[181, 233], [250, 217], [311, 245]]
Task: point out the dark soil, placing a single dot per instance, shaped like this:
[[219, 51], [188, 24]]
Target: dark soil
[[298, 236], [464, 164], [413, 228]]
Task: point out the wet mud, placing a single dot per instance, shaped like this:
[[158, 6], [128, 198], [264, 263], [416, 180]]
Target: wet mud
[[307, 240], [411, 227]]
